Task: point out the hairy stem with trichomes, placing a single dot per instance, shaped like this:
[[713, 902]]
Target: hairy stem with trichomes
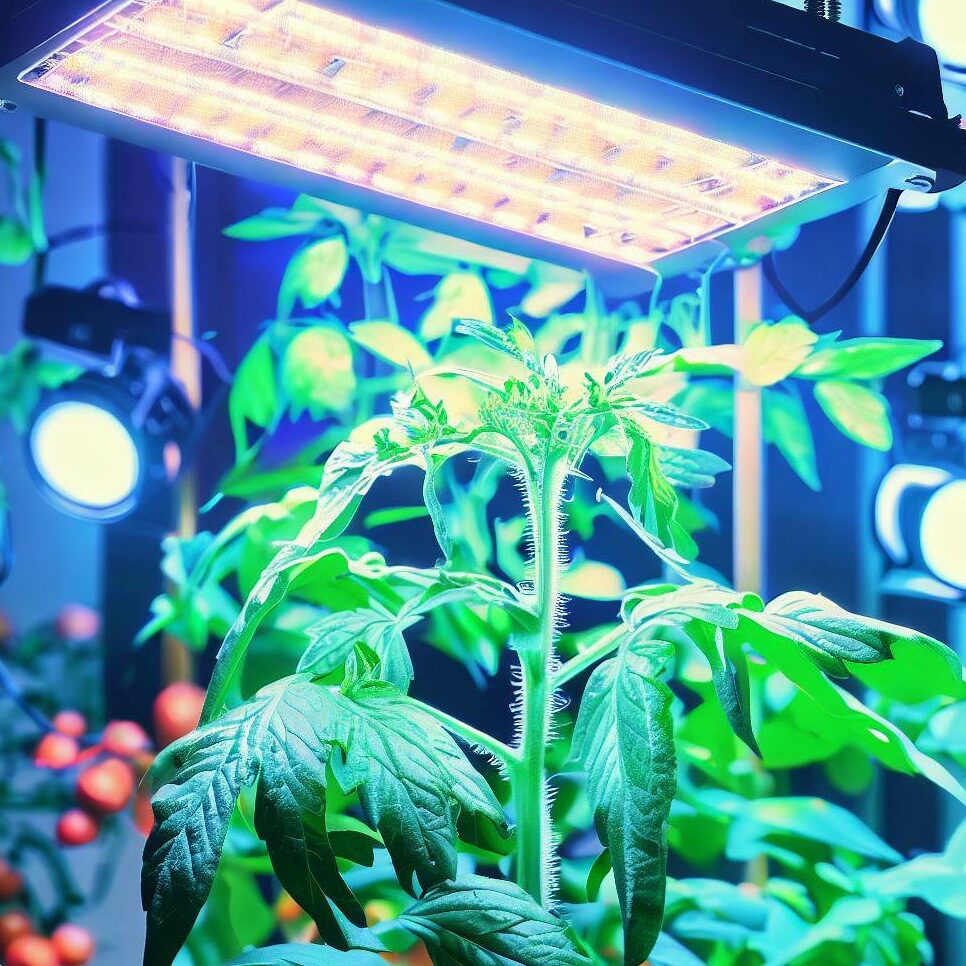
[[535, 860]]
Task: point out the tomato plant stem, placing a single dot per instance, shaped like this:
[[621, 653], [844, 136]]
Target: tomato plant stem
[[535, 859]]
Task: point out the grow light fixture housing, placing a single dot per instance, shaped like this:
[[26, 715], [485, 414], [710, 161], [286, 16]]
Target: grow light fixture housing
[[567, 130]]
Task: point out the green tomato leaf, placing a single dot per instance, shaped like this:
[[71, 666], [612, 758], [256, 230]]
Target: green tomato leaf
[[937, 878], [664, 413], [625, 740], [16, 245], [314, 275], [752, 823], [350, 472], [393, 343], [254, 395], [858, 412], [475, 921], [317, 371], [691, 468], [275, 223], [305, 954], [412, 779], [335, 636], [850, 718], [868, 358], [24, 375], [290, 819], [833, 636], [712, 400], [785, 426], [626, 368], [729, 674], [191, 610], [669, 952], [461, 295], [279, 739], [774, 351], [652, 498]]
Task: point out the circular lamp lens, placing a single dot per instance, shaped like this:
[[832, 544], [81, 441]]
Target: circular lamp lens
[[85, 455], [942, 534], [943, 25]]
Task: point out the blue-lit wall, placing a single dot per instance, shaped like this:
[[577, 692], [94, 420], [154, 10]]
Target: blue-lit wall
[[59, 560], [65, 552]]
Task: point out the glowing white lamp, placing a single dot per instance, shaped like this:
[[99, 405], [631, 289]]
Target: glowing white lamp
[[85, 456], [942, 533]]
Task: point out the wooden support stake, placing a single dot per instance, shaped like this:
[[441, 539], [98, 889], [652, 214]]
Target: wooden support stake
[[177, 659]]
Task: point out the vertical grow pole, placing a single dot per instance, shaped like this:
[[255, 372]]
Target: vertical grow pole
[[748, 494], [177, 662], [956, 632], [748, 509]]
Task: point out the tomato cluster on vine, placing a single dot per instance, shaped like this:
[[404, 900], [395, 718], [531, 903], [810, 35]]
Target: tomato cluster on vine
[[110, 766], [107, 767], [21, 944]]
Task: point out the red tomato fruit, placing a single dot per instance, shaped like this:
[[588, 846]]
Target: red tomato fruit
[[6, 629], [31, 951], [126, 739], [75, 622], [77, 827], [177, 711], [56, 751], [287, 910], [71, 723], [75, 946], [13, 925], [11, 882], [143, 814], [107, 787]]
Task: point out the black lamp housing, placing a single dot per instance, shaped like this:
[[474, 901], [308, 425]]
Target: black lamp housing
[[123, 349]]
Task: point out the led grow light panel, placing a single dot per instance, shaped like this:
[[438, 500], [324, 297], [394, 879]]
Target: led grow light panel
[[293, 82]]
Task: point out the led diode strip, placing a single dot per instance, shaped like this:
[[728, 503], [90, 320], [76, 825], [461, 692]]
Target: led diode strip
[[293, 82]]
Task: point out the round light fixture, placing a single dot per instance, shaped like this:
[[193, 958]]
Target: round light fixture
[[942, 24], [920, 521], [86, 454], [99, 445], [942, 534], [939, 23]]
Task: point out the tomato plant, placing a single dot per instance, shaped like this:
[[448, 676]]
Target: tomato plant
[[491, 841], [694, 703]]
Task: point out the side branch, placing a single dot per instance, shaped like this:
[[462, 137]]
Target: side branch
[[586, 659], [468, 733]]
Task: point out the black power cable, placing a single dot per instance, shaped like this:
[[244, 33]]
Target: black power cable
[[886, 217]]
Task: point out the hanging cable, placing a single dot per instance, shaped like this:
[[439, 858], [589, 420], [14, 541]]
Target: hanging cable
[[770, 268]]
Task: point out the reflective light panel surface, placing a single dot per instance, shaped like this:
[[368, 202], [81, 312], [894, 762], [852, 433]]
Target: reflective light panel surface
[[295, 83]]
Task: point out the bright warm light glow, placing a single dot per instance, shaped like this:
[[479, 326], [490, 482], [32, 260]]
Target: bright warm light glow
[[943, 24], [292, 82], [942, 535], [85, 454]]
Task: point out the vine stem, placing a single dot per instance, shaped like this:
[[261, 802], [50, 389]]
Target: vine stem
[[587, 658], [534, 831]]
